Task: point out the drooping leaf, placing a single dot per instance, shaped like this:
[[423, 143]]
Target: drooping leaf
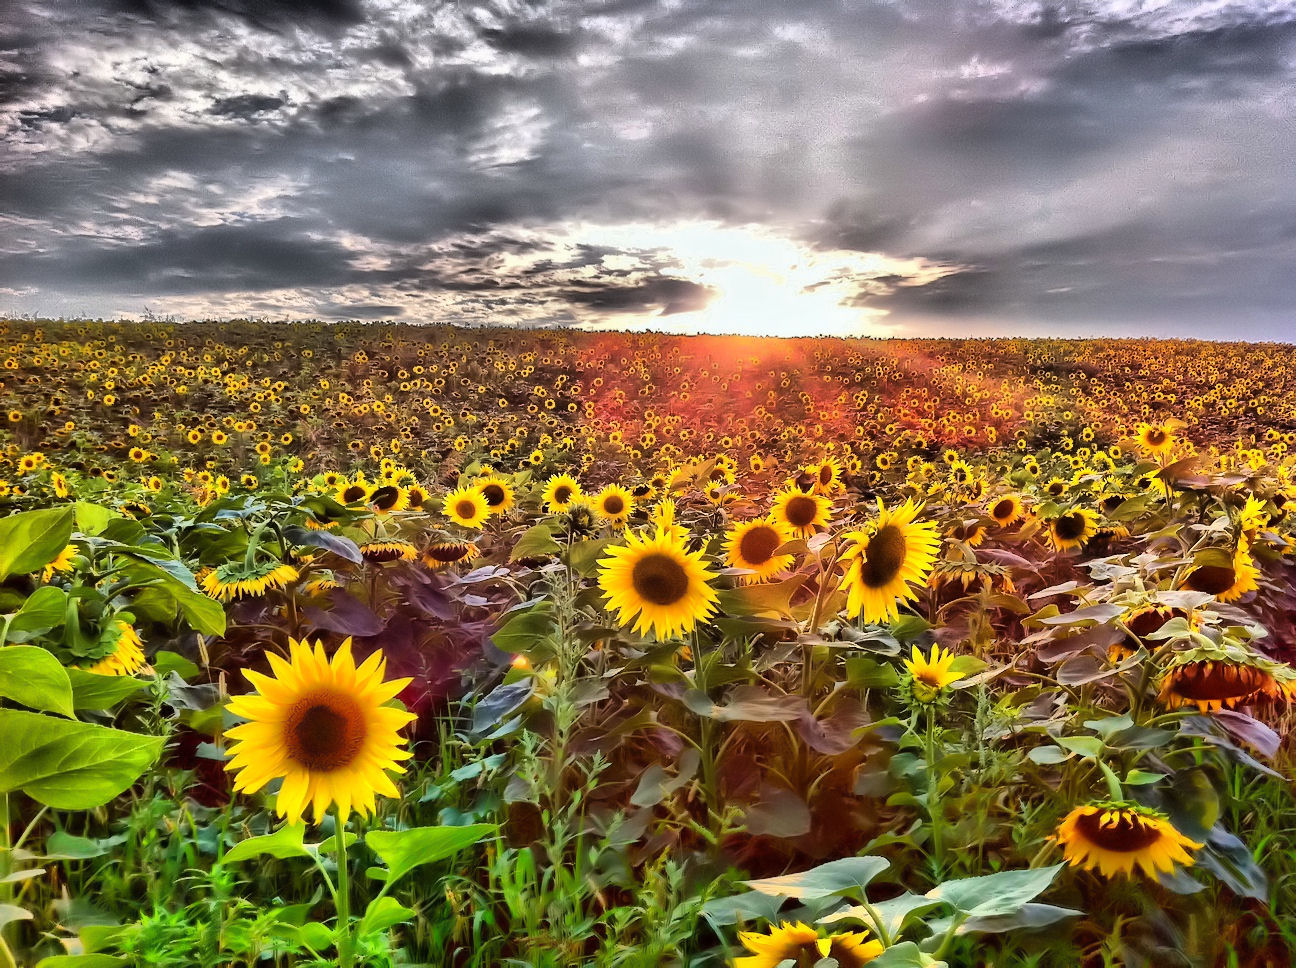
[[287, 841], [70, 765], [536, 542], [30, 540], [995, 895], [849, 875], [404, 850], [32, 677], [383, 913], [45, 609]]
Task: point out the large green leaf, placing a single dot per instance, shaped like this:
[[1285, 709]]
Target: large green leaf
[[45, 608], [403, 850], [283, 843], [31, 676], [30, 540], [383, 913], [536, 542], [995, 895], [93, 691], [91, 519], [847, 876], [70, 765], [81, 961]]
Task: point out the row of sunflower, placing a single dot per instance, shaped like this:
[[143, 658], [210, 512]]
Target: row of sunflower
[[581, 672]]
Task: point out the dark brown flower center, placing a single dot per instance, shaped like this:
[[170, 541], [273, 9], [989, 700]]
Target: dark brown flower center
[[1056, 488], [494, 494], [562, 494], [353, 493], [1002, 510], [613, 504], [448, 552], [659, 579], [757, 545], [1129, 834], [385, 498], [1070, 527], [466, 509], [826, 475], [1212, 579], [324, 732], [1156, 436], [966, 532], [802, 510], [884, 556]]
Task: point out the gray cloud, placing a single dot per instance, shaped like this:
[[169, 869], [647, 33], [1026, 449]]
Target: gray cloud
[[1096, 166]]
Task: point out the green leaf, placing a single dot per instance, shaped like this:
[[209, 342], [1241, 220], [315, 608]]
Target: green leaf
[[91, 519], [1030, 917], [70, 765], [1087, 746], [62, 845], [751, 906], [536, 542], [1142, 778], [45, 609], [993, 895], [404, 850], [81, 961], [774, 598], [9, 913], [30, 540], [93, 691], [864, 672], [1048, 755], [584, 555], [905, 955], [895, 913], [383, 913], [851, 874], [31, 676], [527, 627], [285, 842]]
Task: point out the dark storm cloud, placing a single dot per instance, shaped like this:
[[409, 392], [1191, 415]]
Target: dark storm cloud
[[1069, 164]]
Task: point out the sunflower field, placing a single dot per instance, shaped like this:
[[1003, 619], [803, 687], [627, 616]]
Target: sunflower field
[[372, 645]]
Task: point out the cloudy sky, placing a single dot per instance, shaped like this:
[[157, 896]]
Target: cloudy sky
[[922, 167]]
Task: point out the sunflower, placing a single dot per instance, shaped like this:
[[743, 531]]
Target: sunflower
[[497, 493], [1218, 676], [1117, 838], [613, 504], [1155, 438], [828, 476], [559, 491], [380, 551], [933, 673], [800, 513], [658, 580], [243, 579], [1228, 582], [663, 519], [387, 499], [466, 507], [1007, 511], [971, 533], [1138, 625], [1071, 530], [801, 944], [752, 546], [324, 727], [63, 563], [127, 656], [352, 492], [443, 554], [883, 561]]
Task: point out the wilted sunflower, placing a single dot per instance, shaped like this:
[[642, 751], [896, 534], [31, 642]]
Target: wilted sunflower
[[752, 545], [497, 493], [1117, 838], [801, 944], [324, 727], [559, 491], [1007, 511], [1071, 530], [658, 580], [127, 656], [1218, 675], [243, 579], [381, 551], [443, 554], [884, 560], [801, 513], [971, 533], [614, 504], [466, 507], [1228, 582]]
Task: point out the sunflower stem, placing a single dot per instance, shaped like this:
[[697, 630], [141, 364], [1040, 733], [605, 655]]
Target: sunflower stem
[[345, 939], [933, 794]]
